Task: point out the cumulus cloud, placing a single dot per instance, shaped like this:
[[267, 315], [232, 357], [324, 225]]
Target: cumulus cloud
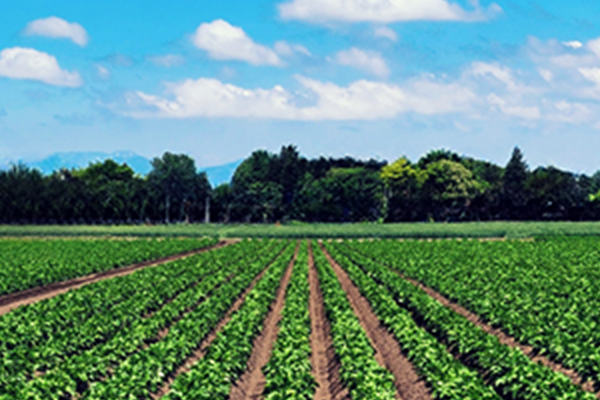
[[513, 110], [361, 100], [58, 28], [573, 44], [284, 48], [23, 63], [382, 11], [385, 32], [501, 73], [594, 46], [366, 61], [168, 60], [591, 74], [223, 41]]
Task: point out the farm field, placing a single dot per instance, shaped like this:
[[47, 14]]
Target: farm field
[[296, 230], [36, 262], [321, 319]]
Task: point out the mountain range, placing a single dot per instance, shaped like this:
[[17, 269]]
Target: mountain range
[[216, 174]]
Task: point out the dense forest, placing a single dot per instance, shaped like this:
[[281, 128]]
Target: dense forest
[[268, 187]]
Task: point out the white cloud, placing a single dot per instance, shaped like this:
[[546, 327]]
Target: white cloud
[[513, 110], [102, 72], [594, 46], [283, 48], [591, 74], [22, 63], [500, 73], [168, 60], [573, 44], [223, 41], [546, 74], [382, 11], [58, 28], [366, 61], [385, 32], [361, 100]]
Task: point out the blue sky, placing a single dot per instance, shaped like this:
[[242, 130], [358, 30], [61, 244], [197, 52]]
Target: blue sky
[[368, 78]]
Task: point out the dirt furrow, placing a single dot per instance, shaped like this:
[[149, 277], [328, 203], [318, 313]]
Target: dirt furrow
[[251, 383], [388, 353], [504, 338], [207, 341], [11, 301], [325, 365]]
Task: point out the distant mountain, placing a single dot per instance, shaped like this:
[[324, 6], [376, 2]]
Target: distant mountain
[[216, 175], [221, 173], [70, 160]]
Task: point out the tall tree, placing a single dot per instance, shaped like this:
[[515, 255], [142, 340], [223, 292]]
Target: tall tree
[[448, 189], [173, 176], [402, 182], [514, 186]]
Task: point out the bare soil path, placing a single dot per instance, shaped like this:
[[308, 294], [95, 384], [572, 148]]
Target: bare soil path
[[326, 368], [504, 338], [207, 341], [252, 382], [388, 353], [11, 301]]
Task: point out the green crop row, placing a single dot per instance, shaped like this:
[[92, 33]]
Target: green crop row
[[211, 378], [142, 374], [359, 371], [78, 319], [512, 374], [448, 378], [544, 293], [289, 373], [30, 263], [74, 373]]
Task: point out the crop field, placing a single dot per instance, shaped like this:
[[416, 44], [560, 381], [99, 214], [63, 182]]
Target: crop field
[[299, 230], [303, 319]]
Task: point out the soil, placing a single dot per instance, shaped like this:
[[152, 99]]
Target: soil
[[207, 341], [325, 365], [11, 301], [252, 382], [387, 350], [504, 338]]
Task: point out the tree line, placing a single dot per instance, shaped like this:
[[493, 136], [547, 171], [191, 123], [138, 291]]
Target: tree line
[[285, 186]]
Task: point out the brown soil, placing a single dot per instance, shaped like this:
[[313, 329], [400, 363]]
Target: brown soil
[[325, 365], [251, 383], [207, 341], [387, 350], [504, 338], [11, 301]]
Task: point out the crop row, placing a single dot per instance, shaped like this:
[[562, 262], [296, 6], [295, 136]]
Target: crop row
[[544, 293], [289, 373], [448, 378], [83, 354], [226, 359], [30, 263], [512, 374], [142, 374], [359, 371]]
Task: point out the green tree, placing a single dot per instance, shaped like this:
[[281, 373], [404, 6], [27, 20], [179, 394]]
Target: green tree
[[554, 194], [255, 188], [174, 179], [514, 189], [448, 188], [343, 195], [111, 186], [402, 182]]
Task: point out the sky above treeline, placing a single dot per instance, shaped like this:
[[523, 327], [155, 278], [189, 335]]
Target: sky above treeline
[[367, 78]]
